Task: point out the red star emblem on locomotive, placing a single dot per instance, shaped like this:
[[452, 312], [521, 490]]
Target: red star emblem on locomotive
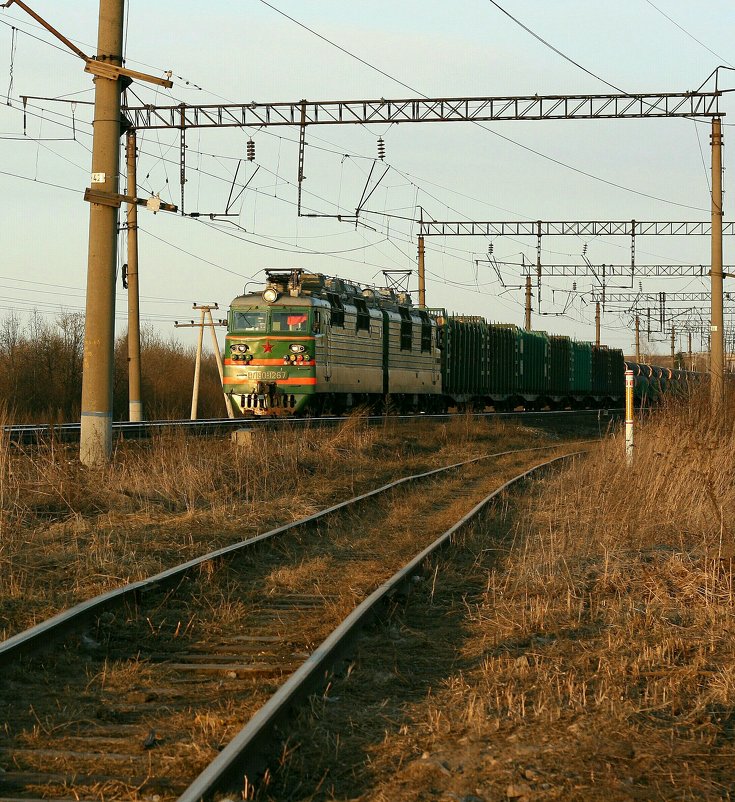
[[267, 347]]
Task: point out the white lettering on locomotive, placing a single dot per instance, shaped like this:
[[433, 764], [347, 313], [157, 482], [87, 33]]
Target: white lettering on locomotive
[[264, 375]]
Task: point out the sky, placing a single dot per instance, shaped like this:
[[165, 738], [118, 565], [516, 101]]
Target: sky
[[286, 50]]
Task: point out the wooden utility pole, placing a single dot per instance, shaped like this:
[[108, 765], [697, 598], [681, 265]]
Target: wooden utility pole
[[422, 274], [134, 396], [637, 339], [95, 443], [205, 321], [528, 303], [597, 323], [717, 323]]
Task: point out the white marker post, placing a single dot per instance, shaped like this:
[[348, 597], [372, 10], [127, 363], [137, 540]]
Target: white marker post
[[629, 417]]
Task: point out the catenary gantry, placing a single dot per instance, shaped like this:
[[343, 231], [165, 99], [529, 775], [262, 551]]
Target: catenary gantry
[[477, 109]]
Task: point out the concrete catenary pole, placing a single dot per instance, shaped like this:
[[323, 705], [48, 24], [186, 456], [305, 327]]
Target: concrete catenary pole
[[218, 359], [135, 404], [689, 350], [637, 339], [673, 348], [422, 274], [197, 364], [95, 444], [717, 325], [528, 303], [597, 324]]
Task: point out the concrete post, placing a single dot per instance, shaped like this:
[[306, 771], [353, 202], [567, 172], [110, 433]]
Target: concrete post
[[422, 274], [95, 443], [629, 417], [717, 326], [637, 339], [197, 368], [220, 368], [134, 396]]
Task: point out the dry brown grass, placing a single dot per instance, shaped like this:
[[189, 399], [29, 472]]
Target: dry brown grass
[[599, 661], [68, 533], [614, 609]]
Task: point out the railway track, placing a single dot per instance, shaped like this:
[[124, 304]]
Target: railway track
[[29, 434], [142, 692]]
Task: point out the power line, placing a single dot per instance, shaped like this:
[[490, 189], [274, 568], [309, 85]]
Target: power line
[[687, 33], [38, 181], [527, 148], [411, 180], [555, 49], [19, 21], [344, 50]]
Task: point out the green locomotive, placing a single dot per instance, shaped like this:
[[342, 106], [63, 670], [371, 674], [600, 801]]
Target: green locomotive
[[322, 344]]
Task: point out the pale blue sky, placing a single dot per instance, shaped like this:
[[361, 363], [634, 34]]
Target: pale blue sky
[[246, 51]]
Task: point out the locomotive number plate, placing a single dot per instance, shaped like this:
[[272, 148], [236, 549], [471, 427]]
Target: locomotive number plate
[[265, 375]]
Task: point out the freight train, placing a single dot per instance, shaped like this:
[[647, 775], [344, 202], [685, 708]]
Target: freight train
[[310, 343]]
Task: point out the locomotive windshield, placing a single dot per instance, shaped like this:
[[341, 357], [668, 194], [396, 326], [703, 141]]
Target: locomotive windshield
[[290, 320], [249, 321]]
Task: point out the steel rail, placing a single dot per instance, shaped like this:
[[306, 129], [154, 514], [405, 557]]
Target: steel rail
[[247, 754], [25, 433], [47, 632]]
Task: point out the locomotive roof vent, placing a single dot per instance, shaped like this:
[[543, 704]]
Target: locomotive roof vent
[[335, 284]]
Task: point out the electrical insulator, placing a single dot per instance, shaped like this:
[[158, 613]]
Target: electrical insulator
[[574, 286], [584, 249], [381, 148], [490, 248], [251, 150], [640, 286]]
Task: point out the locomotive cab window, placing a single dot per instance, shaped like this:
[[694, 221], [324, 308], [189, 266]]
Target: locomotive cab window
[[363, 315], [290, 320], [406, 328], [249, 321], [316, 326]]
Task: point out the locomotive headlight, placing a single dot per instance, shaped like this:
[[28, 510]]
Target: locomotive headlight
[[270, 295], [242, 348], [297, 348]]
